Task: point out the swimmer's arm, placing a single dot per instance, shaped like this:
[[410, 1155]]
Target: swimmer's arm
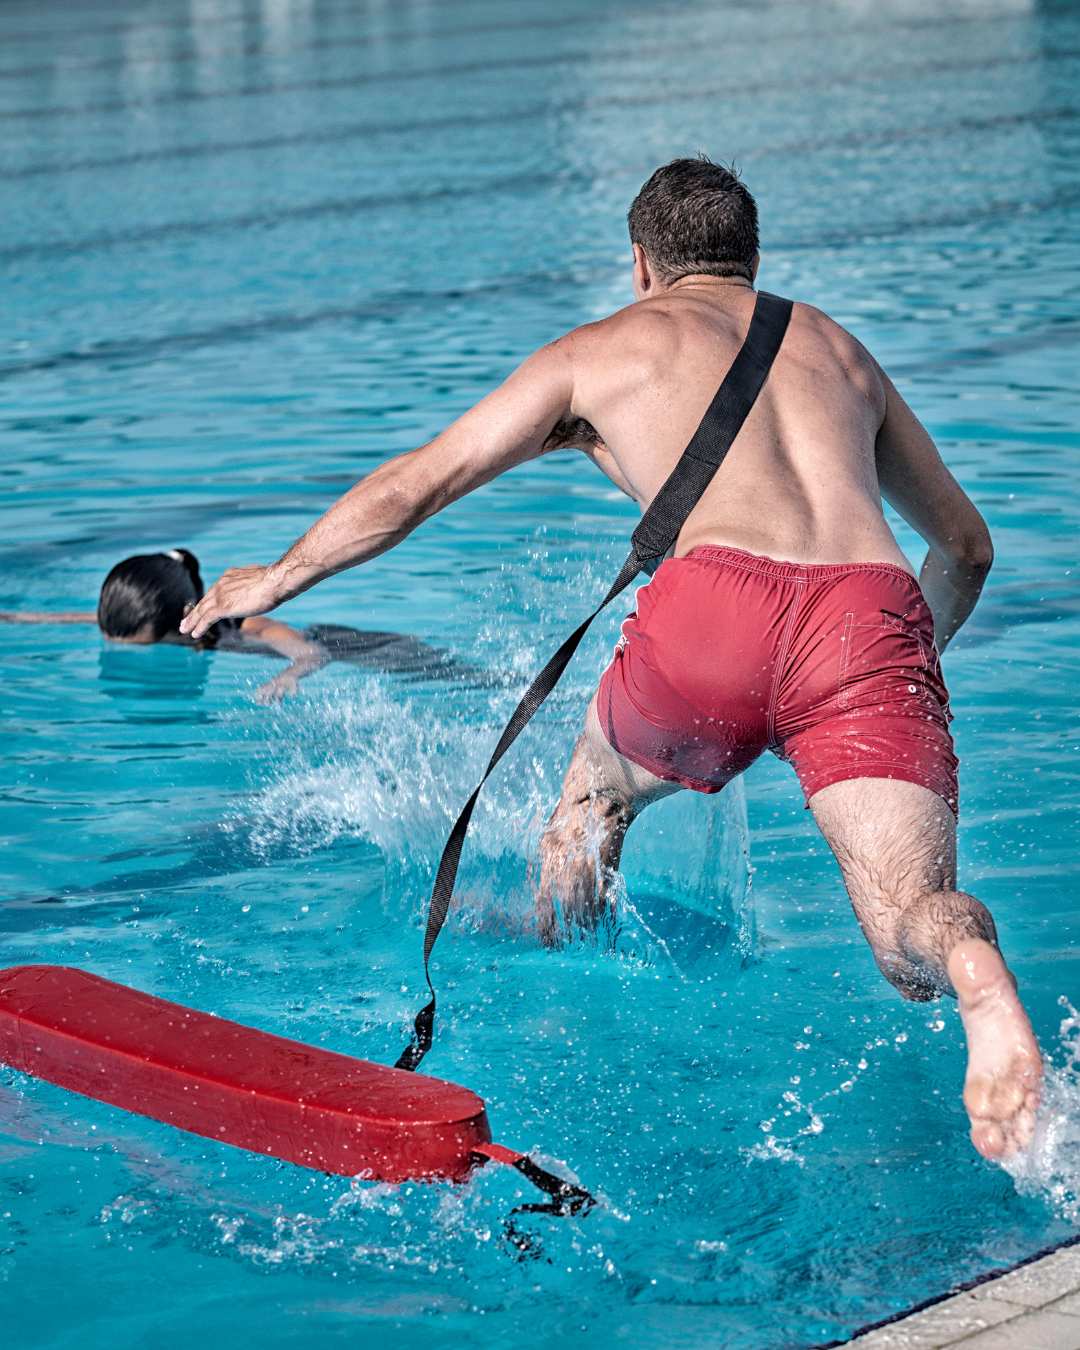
[[915, 480], [304, 656], [66, 616], [508, 427]]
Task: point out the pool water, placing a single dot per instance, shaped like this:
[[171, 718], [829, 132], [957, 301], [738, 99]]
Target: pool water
[[248, 251]]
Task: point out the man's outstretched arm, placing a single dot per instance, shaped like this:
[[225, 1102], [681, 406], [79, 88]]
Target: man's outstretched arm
[[915, 480], [513, 424]]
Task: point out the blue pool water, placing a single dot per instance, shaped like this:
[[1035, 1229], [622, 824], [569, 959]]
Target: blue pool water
[[250, 249]]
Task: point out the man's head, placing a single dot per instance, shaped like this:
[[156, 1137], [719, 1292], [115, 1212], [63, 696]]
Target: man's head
[[692, 217]]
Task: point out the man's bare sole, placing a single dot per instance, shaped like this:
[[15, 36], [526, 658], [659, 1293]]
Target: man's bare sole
[[896, 845], [1004, 1073]]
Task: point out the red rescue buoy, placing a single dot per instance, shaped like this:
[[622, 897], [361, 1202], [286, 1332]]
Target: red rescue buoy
[[232, 1083]]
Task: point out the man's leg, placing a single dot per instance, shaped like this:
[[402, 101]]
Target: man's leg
[[580, 849], [896, 846]]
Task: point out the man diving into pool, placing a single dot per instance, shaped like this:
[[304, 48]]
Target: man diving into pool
[[787, 618]]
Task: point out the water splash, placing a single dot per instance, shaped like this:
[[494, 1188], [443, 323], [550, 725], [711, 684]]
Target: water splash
[[365, 762], [371, 762], [1050, 1168]]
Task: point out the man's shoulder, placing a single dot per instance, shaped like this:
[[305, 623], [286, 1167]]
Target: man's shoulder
[[649, 322], [813, 322], [625, 347], [641, 316], [634, 334], [823, 337]]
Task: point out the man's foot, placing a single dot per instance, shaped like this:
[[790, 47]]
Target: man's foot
[[1004, 1073]]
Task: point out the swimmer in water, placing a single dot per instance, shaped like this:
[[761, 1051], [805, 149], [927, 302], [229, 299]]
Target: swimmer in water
[[788, 618], [144, 599]]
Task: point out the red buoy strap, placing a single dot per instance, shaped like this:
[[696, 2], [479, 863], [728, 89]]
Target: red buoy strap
[[566, 1197]]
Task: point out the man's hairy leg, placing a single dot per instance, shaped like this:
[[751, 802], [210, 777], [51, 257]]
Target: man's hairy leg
[[896, 846], [602, 794]]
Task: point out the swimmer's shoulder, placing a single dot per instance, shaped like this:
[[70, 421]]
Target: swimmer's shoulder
[[233, 634]]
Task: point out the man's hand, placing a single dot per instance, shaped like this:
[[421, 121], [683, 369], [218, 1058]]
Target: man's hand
[[237, 594]]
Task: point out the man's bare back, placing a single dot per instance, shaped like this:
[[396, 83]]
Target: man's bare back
[[801, 482], [788, 619], [828, 437]]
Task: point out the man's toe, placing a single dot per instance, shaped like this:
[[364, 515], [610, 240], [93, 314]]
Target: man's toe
[[988, 1137], [1024, 1128], [978, 1095]]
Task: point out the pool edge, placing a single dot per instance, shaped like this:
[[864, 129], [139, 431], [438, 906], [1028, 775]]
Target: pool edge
[[1026, 1311]]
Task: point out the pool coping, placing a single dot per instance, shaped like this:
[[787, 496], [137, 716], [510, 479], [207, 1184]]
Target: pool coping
[[985, 1312]]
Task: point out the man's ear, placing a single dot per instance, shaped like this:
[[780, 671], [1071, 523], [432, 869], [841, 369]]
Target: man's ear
[[754, 268], [644, 283]]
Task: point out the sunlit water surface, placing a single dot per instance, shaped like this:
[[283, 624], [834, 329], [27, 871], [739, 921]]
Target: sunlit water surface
[[248, 251]]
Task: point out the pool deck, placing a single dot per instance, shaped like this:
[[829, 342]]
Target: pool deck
[[1033, 1306]]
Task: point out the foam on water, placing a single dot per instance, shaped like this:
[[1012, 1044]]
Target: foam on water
[[1050, 1168], [368, 764]]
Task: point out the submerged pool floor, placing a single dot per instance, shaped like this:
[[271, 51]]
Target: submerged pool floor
[[251, 249]]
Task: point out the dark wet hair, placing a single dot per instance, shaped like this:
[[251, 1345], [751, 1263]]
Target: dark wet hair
[[696, 216], [151, 588]]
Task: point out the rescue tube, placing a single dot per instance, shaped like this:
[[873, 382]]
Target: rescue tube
[[236, 1084]]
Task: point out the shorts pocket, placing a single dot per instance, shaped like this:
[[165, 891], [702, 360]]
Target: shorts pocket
[[888, 660]]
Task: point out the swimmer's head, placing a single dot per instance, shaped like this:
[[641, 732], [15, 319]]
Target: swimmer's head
[[692, 217], [145, 597]]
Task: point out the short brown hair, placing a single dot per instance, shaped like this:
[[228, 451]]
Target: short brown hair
[[696, 216]]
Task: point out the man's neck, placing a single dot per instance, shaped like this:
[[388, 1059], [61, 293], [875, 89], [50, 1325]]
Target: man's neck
[[706, 281]]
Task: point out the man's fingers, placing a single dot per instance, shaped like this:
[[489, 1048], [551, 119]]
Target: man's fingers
[[190, 621], [212, 607], [237, 593], [203, 616]]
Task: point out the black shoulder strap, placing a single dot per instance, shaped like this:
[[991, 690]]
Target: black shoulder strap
[[656, 533], [661, 524]]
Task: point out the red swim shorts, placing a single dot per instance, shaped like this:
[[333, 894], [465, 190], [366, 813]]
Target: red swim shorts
[[833, 668]]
